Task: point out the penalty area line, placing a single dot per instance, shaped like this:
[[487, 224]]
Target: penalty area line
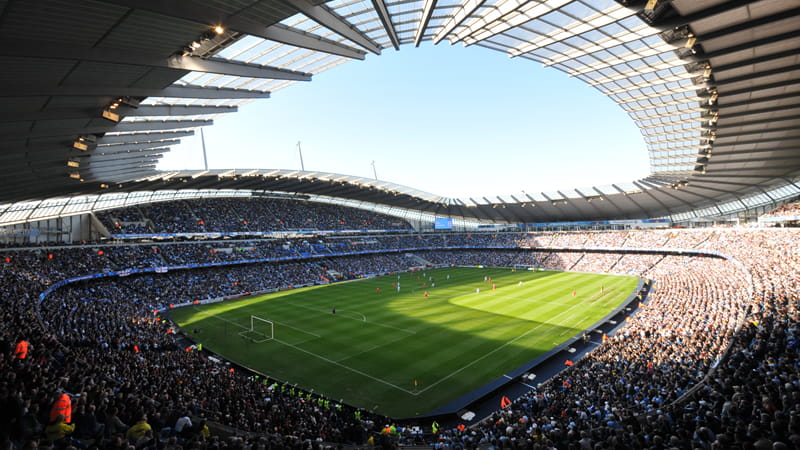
[[364, 320], [344, 366]]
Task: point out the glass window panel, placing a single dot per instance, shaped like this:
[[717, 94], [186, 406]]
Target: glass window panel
[[558, 19], [578, 9]]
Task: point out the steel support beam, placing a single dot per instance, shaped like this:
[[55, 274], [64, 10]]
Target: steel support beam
[[766, 20], [725, 116], [721, 154], [754, 75], [427, 13], [122, 164], [150, 125], [142, 111], [196, 12], [630, 199], [751, 61], [143, 156], [122, 175], [754, 89], [647, 192], [153, 125], [699, 15], [722, 126], [608, 198], [464, 11], [711, 179], [693, 186], [132, 147], [757, 100], [700, 55], [111, 91], [333, 22], [780, 159], [143, 137], [666, 191], [720, 144], [52, 50], [741, 171], [177, 110], [386, 20], [298, 38]]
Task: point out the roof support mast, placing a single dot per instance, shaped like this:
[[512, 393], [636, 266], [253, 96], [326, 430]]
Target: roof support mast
[[205, 156], [300, 152]]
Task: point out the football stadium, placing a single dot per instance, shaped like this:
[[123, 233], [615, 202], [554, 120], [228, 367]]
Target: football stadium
[[272, 308]]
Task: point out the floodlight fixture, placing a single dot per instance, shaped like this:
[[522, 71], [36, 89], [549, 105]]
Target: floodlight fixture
[[112, 116]]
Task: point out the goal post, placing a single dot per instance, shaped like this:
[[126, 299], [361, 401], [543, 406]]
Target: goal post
[[261, 330]]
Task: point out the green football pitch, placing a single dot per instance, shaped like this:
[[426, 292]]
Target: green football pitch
[[404, 354]]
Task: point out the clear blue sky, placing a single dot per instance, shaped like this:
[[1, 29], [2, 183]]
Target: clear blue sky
[[449, 120]]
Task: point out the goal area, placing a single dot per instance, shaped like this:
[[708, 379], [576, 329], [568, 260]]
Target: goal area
[[261, 330]]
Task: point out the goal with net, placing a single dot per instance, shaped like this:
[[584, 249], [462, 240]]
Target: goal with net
[[261, 330]]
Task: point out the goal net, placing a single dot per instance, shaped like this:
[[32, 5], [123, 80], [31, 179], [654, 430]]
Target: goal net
[[261, 330]]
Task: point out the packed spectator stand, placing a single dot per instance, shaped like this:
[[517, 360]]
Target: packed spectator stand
[[709, 361], [789, 212], [243, 215]]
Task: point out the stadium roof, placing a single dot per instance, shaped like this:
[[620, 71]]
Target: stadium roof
[[95, 92]]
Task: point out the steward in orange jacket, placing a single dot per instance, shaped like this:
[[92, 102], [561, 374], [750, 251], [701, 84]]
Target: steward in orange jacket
[[63, 406]]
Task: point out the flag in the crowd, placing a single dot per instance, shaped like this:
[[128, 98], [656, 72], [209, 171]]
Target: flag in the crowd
[[435, 427], [505, 402], [568, 363]]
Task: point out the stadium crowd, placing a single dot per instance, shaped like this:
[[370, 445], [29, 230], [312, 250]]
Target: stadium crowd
[[787, 210], [242, 215], [660, 382]]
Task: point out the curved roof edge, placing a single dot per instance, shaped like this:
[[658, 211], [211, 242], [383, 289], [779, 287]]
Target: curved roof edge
[[634, 200]]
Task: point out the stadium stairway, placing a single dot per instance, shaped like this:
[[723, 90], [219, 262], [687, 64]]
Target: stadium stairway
[[420, 261]]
